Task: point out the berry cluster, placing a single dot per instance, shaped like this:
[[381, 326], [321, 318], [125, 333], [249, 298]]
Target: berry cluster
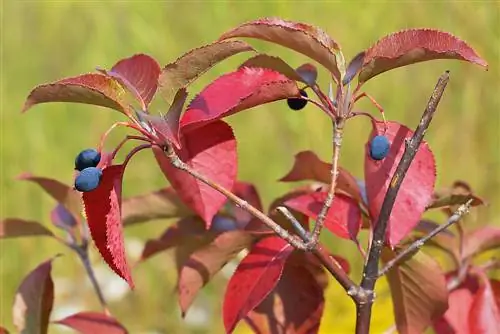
[[89, 177]]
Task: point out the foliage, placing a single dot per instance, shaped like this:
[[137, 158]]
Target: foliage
[[196, 151]]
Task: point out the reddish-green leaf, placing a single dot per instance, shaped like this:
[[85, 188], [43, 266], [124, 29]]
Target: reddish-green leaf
[[296, 303], [306, 39], [484, 316], [62, 218], [343, 218], [308, 166], [95, 89], [418, 290], [456, 318], [240, 90], [3, 330], [16, 227], [417, 187], [34, 300], [412, 46], [103, 211], [186, 69], [62, 193], [273, 63], [254, 278], [481, 240], [139, 74], [207, 261], [161, 204], [210, 151], [92, 323], [167, 127], [456, 195]]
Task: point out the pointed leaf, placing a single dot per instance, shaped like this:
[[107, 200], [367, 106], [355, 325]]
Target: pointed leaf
[[412, 46], [289, 309], [343, 218], [92, 322], [161, 204], [306, 39], [272, 63], [62, 218], [210, 151], [308, 73], [418, 290], [484, 316], [354, 67], [62, 193], [139, 74], [167, 127], [103, 211], [34, 301], [254, 278], [16, 227], [417, 188], [481, 240], [308, 166], [237, 91], [186, 69], [456, 318], [207, 261], [454, 196], [3, 330], [94, 89]]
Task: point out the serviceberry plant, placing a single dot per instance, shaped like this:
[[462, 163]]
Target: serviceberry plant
[[219, 216]]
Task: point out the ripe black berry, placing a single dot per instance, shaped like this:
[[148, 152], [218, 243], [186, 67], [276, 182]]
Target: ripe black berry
[[379, 147], [88, 179], [297, 103], [87, 158]]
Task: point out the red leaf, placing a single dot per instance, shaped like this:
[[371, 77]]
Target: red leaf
[[103, 211], [186, 69], [139, 74], [343, 219], [161, 204], [289, 309], [237, 91], [95, 89], [210, 151], [456, 318], [417, 188], [495, 286], [92, 322], [15, 227], [254, 278], [481, 240], [306, 39], [62, 193], [3, 330], [412, 46], [484, 316], [272, 63], [207, 261], [34, 301], [167, 127], [308, 166]]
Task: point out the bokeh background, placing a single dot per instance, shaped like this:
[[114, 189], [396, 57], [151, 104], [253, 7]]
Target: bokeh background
[[46, 40]]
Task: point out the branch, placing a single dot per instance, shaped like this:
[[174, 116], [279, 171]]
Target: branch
[[416, 245], [328, 261], [370, 272]]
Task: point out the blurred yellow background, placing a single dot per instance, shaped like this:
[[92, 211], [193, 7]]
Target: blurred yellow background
[[46, 40]]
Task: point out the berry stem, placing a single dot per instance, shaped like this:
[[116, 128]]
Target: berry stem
[[135, 150], [127, 138], [124, 124], [375, 103], [325, 100]]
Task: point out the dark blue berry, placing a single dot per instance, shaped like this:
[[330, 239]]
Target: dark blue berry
[[87, 158], [379, 147], [88, 179], [297, 103]]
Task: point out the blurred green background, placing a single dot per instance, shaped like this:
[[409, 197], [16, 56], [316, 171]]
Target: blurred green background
[[46, 40]]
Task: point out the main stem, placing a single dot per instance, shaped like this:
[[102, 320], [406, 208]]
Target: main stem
[[370, 272]]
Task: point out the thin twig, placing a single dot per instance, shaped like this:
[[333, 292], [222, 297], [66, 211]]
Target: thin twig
[[417, 244], [370, 272], [328, 261]]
